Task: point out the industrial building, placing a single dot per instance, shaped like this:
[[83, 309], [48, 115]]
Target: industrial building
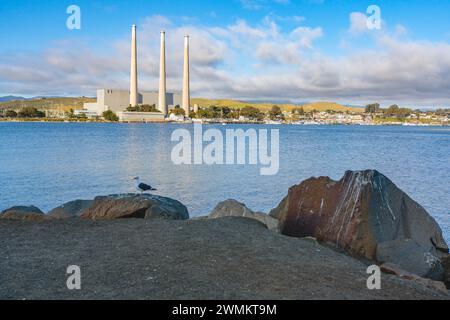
[[118, 101]]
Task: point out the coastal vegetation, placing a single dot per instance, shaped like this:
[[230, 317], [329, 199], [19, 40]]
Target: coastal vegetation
[[63, 109], [110, 116], [178, 111], [143, 108]]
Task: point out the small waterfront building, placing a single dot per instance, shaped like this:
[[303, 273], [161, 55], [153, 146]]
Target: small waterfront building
[[88, 113], [125, 116]]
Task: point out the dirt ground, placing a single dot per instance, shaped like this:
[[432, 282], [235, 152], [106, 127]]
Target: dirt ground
[[228, 258]]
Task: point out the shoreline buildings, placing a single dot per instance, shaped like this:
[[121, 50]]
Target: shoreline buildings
[[118, 100]]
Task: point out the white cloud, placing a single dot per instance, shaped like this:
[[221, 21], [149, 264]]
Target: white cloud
[[243, 61], [259, 4], [358, 23]]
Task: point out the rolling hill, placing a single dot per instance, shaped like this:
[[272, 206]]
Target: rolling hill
[[67, 103], [319, 106], [64, 104], [11, 98]]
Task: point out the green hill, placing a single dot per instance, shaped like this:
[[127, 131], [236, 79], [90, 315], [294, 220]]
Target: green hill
[[235, 104], [64, 104]]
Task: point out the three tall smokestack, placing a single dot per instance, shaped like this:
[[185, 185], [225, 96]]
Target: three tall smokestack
[[133, 73], [162, 105], [186, 84]]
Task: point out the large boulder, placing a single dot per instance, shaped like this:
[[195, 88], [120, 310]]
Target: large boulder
[[446, 266], [233, 208], [72, 209], [368, 216], [144, 206], [24, 213]]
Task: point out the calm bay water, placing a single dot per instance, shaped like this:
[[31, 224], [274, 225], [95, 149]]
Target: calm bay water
[[47, 164]]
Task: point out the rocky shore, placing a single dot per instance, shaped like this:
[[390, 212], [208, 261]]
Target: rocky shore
[[316, 244]]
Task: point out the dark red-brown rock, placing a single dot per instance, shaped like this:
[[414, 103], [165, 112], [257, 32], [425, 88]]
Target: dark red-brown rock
[[368, 216]]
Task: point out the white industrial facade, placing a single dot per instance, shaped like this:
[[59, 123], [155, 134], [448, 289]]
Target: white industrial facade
[[119, 100]]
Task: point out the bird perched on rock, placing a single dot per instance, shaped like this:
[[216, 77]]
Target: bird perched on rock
[[142, 187]]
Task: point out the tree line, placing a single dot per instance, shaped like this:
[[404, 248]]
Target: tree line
[[395, 111]]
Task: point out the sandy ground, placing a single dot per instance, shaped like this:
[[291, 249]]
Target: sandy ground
[[229, 258]]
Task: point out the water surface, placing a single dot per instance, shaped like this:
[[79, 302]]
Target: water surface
[[47, 164]]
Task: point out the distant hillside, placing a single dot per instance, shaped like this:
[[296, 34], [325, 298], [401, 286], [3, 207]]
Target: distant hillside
[[64, 104], [323, 106], [11, 98], [319, 106]]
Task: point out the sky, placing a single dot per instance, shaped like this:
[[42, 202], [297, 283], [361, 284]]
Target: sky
[[267, 50]]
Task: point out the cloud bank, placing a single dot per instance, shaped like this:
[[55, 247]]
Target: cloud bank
[[243, 61]]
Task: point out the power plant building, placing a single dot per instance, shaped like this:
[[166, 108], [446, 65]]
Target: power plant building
[[118, 100]]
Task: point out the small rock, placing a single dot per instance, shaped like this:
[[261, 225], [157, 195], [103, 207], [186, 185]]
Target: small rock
[[233, 208], [24, 213], [391, 268]]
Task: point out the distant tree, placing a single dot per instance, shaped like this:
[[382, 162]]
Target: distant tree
[[133, 108], [83, 116], [110, 116], [149, 108], [226, 112], [143, 108], [373, 108], [252, 113], [178, 112], [30, 112], [205, 113], [275, 113], [393, 110], [233, 114], [10, 114], [298, 111]]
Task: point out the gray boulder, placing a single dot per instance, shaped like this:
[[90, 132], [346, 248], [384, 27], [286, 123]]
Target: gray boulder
[[446, 266], [145, 206], [233, 208], [72, 209], [24, 213]]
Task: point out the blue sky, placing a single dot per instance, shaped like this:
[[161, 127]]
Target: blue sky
[[298, 50]]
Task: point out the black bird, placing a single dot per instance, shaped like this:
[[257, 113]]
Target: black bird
[[142, 187]]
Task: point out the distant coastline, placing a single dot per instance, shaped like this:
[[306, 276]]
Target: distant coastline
[[224, 122], [206, 111]]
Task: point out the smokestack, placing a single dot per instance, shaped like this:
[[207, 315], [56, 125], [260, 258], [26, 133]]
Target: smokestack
[[186, 88], [133, 80], [162, 105]]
